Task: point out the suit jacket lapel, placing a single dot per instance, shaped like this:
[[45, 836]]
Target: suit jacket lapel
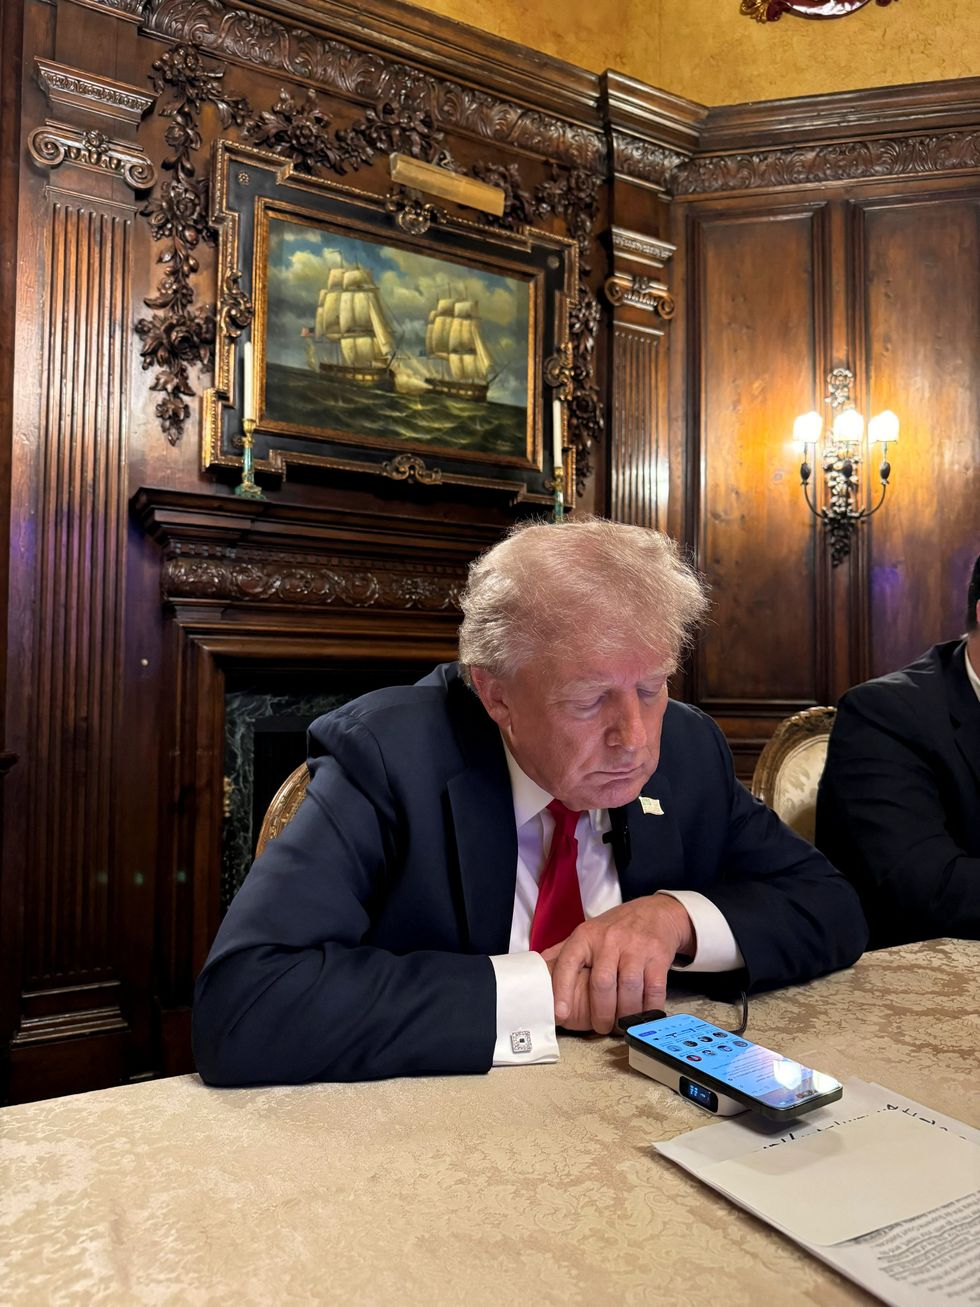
[[656, 856], [483, 819], [964, 711]]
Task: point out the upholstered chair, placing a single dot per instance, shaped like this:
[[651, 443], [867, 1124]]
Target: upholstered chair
[[789, 768]]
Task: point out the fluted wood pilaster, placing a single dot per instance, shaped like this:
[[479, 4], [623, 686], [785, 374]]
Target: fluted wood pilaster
[[637, 472], [77, 637]]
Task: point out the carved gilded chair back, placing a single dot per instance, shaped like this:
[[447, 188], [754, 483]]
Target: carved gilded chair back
[[284, 805], [790, 766]]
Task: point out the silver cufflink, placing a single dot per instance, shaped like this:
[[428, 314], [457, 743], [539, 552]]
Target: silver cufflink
[[520, 1041]]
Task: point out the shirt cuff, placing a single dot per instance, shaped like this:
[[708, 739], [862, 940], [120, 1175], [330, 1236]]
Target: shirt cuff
[[525, 1010], [716, 949]]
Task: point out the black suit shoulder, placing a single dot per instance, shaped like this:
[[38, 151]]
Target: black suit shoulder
[[901, 691], [898, 799], [412, 732]]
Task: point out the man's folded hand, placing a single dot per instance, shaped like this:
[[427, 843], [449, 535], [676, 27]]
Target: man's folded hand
[[617, 963]]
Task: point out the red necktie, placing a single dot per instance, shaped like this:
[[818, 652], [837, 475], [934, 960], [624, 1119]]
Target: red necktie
[[559, 907]]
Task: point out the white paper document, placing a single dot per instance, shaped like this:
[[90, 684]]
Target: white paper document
[[876, 1185]]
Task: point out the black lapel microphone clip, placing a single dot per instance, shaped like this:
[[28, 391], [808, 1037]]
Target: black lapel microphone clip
[[619, 837]]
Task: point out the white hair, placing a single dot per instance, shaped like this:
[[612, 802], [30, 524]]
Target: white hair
[[584, 582]]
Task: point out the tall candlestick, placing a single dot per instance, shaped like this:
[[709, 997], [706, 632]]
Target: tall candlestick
[[248, 409], [247, 489], [558, 462]]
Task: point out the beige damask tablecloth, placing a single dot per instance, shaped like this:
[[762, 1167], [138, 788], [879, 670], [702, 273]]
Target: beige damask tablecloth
[[530, 1185]]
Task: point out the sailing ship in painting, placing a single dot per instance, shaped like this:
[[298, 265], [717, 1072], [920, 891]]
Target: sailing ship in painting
[[355, 340], [353, 337], [460, 361]]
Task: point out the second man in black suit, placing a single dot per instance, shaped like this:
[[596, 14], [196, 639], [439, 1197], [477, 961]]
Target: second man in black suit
[[899, 804]]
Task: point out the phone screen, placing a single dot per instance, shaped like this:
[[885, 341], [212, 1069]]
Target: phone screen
[[700, 1049]]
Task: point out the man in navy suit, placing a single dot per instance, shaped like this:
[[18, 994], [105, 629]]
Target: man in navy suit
[[530, 838], [899, 803]]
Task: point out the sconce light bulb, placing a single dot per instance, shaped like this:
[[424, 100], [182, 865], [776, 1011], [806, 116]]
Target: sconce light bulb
[[807, 428], [848, 426], [883, 428]]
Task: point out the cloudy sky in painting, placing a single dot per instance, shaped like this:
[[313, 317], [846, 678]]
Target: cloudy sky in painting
[[300, 257]]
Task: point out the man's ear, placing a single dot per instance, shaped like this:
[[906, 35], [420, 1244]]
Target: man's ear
[[492, 694]]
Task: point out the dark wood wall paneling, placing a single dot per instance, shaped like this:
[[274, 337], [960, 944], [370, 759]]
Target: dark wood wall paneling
[[845, 236], [11, 44], [73, 359], [732, 256], [918, 261]]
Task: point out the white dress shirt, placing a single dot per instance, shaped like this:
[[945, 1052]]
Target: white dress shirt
[[525, 1002]]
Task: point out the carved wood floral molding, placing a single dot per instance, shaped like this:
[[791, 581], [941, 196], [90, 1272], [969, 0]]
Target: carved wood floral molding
[[314, 581], [954, 151], [366, 78], [181, 336], [644, 161]]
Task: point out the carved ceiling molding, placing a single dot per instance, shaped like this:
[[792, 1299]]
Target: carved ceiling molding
[[644, 161], [70, 87], [636, 247], [357, 75], [131, 11], [54, 143], [954, 151], [307, 581]]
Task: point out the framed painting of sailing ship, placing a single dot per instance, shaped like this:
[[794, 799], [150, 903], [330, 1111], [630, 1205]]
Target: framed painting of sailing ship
[[380, 348]]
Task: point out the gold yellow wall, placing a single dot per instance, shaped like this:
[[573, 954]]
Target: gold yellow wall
[[706, 50]]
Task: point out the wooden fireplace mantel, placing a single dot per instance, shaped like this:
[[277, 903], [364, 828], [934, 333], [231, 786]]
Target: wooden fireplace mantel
[[271, 585]]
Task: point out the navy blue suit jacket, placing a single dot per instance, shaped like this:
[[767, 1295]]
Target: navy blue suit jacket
[[899, 803], [358, 946]]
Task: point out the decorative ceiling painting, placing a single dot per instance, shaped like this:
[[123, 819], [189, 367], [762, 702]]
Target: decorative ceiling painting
[[768, 11]]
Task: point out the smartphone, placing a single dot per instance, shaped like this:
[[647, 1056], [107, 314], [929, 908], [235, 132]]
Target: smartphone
[[721, 1063]]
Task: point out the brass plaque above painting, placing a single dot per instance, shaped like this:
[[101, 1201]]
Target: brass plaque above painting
[[387, 337]]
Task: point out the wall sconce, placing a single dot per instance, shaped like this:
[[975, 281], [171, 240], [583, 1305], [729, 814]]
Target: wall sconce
[[842, 460]]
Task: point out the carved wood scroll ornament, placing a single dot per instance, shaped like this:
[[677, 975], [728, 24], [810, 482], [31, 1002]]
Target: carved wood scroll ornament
[[55, 142], [769, 11]]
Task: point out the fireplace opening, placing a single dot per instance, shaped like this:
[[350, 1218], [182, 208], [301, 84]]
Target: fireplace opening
[[267, 713]]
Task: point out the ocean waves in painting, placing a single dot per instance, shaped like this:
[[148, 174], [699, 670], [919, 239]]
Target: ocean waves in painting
[[303, 398]]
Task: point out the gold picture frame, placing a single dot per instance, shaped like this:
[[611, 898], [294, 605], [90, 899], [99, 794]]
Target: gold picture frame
[[388, 337]]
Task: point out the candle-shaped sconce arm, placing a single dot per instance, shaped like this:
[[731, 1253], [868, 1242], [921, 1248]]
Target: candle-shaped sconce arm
[[806, 432], [883, 430]]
